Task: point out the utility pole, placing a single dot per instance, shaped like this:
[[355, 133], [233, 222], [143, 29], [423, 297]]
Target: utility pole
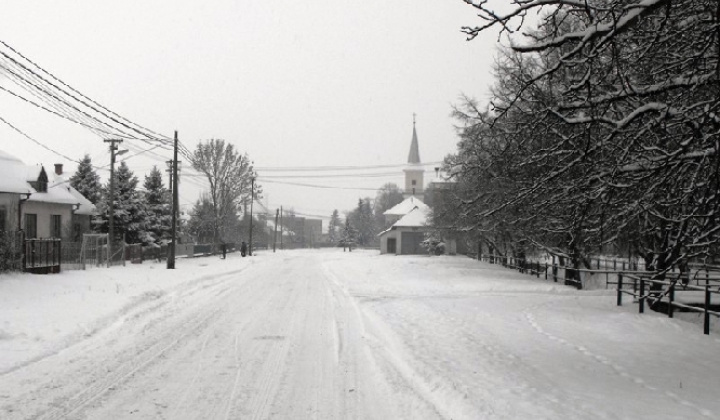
[[252, 198], [281, 227], [111, 228], [171, 257], [277, 213], [171, 178]]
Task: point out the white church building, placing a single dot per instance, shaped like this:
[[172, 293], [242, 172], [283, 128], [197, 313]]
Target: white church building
[[411, 218]]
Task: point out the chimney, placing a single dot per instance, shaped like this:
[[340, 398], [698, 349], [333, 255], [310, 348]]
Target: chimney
[[58, 168]]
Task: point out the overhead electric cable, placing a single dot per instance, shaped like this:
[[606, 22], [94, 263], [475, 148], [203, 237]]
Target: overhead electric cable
[[335, 168], [298, 184], [17, 79], [37, 142], [56, 112], [81, 94]]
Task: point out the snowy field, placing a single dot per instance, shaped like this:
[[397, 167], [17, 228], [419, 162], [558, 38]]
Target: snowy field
[[327, 334]]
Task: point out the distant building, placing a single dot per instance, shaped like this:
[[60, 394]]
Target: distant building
[[410, 224]]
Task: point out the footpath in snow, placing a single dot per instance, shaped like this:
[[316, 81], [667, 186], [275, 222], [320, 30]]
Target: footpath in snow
[[327, 334]]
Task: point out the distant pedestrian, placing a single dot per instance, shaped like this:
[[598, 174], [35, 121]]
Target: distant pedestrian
[[243, 249], [224, 249]]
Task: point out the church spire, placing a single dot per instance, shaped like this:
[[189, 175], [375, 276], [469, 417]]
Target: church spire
[[414, 156]]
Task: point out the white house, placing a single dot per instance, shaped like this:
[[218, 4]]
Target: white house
[[410, 220], [407, 233], [41, 207]]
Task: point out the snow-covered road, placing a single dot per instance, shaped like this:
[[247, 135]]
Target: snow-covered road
[[327, 334]]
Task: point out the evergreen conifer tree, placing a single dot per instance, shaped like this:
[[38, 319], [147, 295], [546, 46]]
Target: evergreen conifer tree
[[334, 227], [87, 181], [129, 208], [158, 208]]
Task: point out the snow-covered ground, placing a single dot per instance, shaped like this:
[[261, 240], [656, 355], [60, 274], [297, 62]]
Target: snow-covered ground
[[327, 334]]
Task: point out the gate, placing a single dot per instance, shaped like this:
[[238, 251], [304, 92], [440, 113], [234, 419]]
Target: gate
[[43, 256], [410, 243]]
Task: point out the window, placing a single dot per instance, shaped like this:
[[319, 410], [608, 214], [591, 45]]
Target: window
[[3, 219], [56, 226], [414, 182], [30, 225]]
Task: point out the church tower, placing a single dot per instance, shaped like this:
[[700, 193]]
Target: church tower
[[414, 170]]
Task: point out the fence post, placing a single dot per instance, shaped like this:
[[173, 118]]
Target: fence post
[[537, 269], [706, 323], [546, 269], [619, 290], [554, 270], [641, 306], [671, 296]]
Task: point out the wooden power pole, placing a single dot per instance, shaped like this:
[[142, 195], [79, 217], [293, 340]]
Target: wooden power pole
[[111, 215], [277, 214], [171, 256]]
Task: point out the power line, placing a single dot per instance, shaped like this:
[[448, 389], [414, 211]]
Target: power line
[[369, 175], [335, 168], [166, 139], [57, 99], [298, 184], [36, 141]]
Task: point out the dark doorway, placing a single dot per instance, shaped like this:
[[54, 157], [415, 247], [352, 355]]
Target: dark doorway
[[392, 246]]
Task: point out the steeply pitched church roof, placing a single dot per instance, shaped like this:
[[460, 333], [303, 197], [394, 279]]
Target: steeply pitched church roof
[[414, 156]]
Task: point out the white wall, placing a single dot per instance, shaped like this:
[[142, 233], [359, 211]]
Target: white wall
[[44, 211]]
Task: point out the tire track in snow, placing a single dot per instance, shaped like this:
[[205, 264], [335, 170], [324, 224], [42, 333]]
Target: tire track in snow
[[270, 374], [139, 357], [139, 361], [618, 369]]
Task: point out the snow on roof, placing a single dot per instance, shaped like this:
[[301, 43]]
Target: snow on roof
[[13, 175], [416, 218], [86, 206], [406, 207], [58, 194]]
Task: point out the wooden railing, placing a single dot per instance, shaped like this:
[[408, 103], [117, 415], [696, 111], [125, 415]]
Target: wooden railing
[[642, 291]]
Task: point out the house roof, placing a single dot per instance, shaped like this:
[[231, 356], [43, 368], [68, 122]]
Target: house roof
[[61, 183], [13, 175], [416, 218], [405, 207]]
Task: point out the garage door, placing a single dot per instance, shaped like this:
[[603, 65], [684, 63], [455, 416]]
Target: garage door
[[411, 243]]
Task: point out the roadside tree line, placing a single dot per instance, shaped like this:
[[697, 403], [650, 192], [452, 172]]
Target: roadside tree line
[[602, 133], [143, 214]]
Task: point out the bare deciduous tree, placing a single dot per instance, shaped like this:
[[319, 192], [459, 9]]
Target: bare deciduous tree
[[230, 177]]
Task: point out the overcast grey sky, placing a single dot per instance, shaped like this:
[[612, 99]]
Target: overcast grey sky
[[313, 83]]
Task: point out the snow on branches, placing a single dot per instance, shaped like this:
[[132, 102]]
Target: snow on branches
[[602, 131]]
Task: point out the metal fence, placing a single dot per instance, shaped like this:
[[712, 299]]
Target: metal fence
[[664, 294], [43, 256]]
